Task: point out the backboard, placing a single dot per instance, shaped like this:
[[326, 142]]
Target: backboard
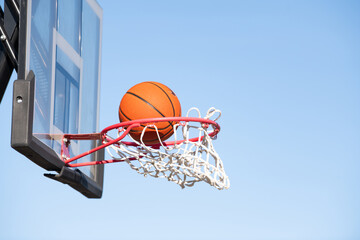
[[58, 87]]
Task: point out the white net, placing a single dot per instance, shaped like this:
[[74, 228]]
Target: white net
[[185, 162]]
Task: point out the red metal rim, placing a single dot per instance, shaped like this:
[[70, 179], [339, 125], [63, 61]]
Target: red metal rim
[[206, 123], [127, 126]]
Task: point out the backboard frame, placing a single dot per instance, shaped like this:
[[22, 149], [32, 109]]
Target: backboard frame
[[22, 138], [9, 26]]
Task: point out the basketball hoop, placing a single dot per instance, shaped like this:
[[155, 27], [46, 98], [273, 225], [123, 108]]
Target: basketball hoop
[[188, 159]]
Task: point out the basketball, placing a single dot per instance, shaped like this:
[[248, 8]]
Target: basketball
[[150, 100]]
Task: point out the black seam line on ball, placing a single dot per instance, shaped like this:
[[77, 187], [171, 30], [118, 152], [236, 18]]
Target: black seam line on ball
[[149, 105], [142, 125], [152, 128], [166, 95], [150, 140], [121, 111]]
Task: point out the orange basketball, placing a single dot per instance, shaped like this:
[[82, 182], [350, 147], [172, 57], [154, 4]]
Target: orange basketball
[[150, 100]]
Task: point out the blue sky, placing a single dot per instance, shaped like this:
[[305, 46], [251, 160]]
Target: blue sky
[[285, 75]]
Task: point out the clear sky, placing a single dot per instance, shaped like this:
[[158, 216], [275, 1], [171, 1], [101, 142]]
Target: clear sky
[[286, 75]]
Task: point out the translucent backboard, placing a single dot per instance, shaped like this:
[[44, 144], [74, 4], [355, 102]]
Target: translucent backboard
[[58, 90]]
